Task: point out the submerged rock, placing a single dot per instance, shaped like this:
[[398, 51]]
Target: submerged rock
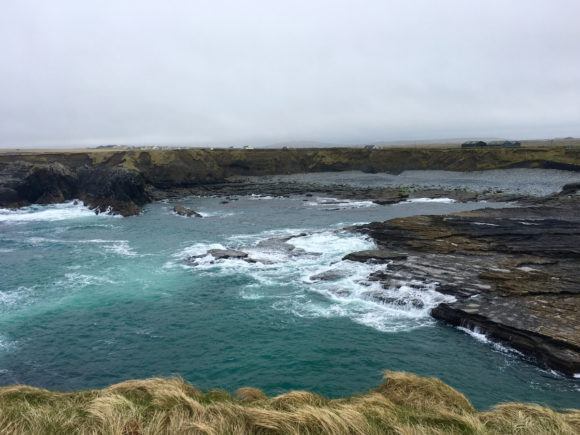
[[393, 197], [281, 244], [184, 211], [219, 254], [328, 275], [222, 254]]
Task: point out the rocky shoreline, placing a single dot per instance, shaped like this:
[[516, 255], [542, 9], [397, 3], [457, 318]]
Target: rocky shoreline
[[123, 181], [515, 272]]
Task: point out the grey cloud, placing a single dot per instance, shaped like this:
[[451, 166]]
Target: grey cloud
[[221, 72]]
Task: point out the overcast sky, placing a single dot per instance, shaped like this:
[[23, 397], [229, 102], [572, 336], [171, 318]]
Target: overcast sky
[[236, 72]]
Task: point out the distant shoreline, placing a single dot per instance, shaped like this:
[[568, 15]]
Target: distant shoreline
[[532, 143]]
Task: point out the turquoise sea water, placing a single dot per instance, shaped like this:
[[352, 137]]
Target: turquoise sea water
[[86, 301]]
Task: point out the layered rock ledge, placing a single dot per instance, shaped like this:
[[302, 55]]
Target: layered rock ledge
[[515, 272]]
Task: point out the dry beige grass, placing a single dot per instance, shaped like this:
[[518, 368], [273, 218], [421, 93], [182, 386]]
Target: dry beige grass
[[404, 404]]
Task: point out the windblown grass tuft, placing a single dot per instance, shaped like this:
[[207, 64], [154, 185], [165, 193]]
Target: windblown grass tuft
[[403, 404]]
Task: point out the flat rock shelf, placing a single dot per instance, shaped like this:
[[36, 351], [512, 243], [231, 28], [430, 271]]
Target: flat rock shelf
[[515, 272]]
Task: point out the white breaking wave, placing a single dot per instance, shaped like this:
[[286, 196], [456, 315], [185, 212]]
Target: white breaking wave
[[220, 214], [53, 212], [306, 276], [14, 297], [481, 337], [440, 200], [80, 280], [335, 203], [119, 247], [254, 197], [197, 249], [6, 344]]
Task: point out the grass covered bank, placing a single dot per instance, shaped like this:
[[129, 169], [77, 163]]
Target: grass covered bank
[[404, 404]]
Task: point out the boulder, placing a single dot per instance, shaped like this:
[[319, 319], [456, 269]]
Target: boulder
[[387, 198], [184, 211], [570, 189]]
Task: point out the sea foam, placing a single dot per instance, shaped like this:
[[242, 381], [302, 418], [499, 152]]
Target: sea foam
[[53, 212], [335, 203], [439, 200], [289, 277]]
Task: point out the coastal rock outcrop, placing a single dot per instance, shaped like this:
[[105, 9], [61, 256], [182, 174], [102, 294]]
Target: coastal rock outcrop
[[184, 211], [121, 190], [102, 187], [49, 183], [515, 272]]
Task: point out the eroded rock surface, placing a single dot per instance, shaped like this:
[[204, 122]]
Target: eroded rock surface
[[515, 272]]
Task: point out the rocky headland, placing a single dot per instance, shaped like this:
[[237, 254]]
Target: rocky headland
[[515, 272]]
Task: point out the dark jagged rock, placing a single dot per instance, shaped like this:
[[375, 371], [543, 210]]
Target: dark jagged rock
[[119, 189], [8, 196], [184, 211], [102, 188], [391, 197], [46, 184], [220, 254], [515, 272], [570, 189], [374, 255], [524, 325]]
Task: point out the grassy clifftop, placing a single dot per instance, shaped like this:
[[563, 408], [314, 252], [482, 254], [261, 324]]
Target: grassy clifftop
[[402, 404], [165, 167]]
